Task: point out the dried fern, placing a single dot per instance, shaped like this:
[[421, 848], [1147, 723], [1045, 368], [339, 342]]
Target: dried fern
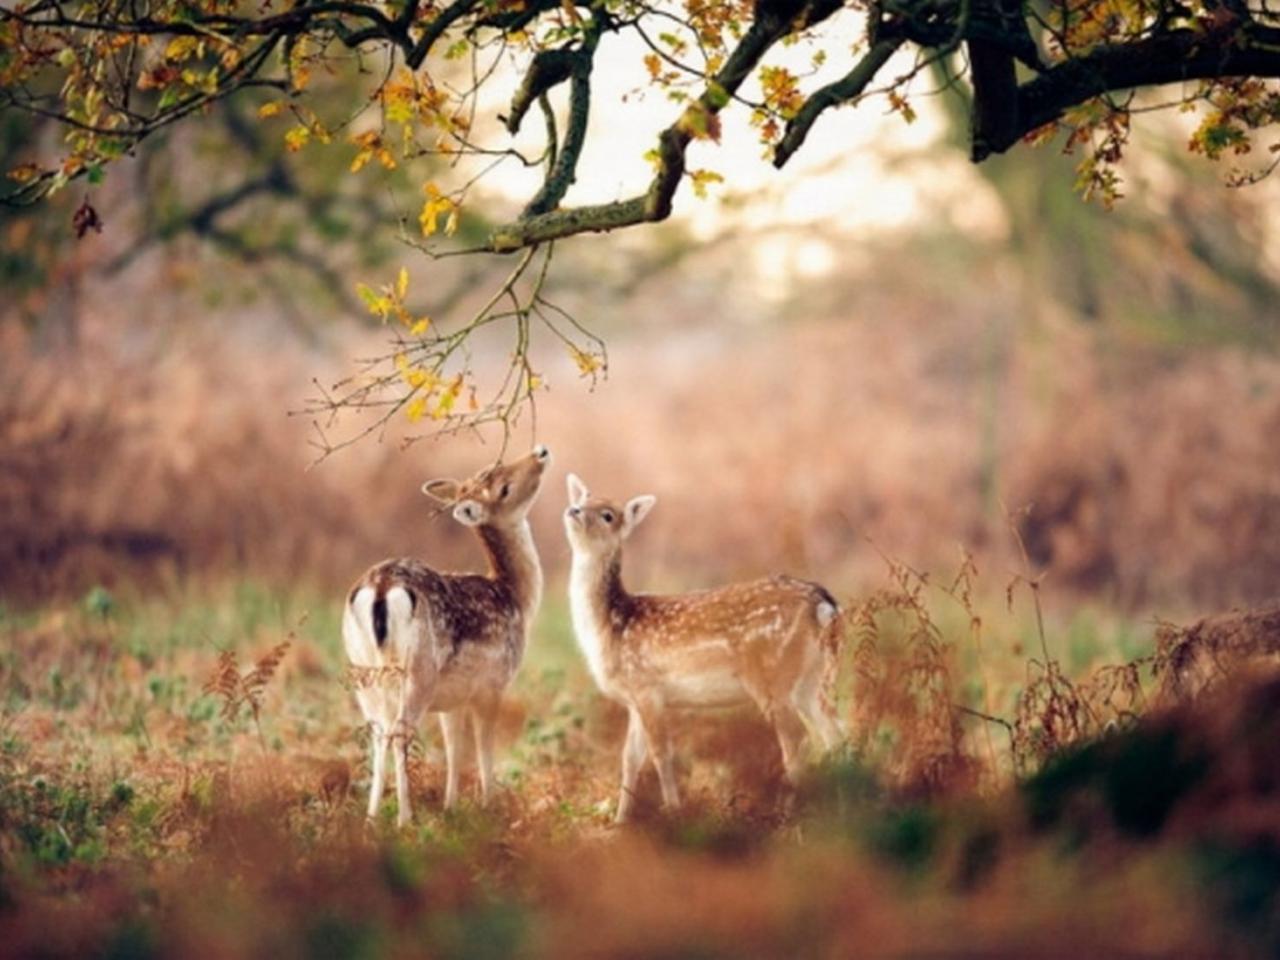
[[224, 684], [236, 690]]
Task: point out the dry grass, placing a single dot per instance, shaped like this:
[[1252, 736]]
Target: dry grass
[[141, 816]]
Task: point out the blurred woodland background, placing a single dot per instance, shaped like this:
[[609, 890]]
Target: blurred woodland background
[[985, 346]]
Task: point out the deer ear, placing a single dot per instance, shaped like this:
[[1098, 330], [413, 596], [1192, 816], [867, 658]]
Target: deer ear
[[637, 509], [445, 491], [578, 492]]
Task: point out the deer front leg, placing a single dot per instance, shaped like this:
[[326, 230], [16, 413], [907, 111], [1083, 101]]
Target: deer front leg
[[634, 752], [451, 727], [657, 731], [484, 719]]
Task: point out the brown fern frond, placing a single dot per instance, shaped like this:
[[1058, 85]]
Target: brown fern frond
[[254, 683], [224, 683]]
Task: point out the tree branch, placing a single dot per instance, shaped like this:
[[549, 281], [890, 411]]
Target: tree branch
[[993, 116], [1172, 57], [774, 20], [563, 171], [846, 89]]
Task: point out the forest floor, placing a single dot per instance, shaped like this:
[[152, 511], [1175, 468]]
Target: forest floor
[[149, 809]]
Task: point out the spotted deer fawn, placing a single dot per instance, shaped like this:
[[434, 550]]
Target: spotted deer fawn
[[771, 642], [447, 643]]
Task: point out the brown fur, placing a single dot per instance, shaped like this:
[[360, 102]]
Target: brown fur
[[772, 642], [462, 638]]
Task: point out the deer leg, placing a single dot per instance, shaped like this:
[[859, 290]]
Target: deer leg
[[815, 706], [634, 753], [452, 727], [484, 718], [379, 741], [790, 730], [658, 733], [412, 705], [787, 726]]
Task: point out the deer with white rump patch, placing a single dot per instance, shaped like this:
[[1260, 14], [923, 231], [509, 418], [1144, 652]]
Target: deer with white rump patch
[[771, 642], [448, 643]]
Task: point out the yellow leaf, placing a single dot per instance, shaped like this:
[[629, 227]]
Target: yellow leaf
[[399, 111], [24, 172], [588, 363], [451, 225], [402, 283], [271, 109], [183, 48], [701, 178], [416, 409], [296, 138], [419, 378], [435, 205], [378, 305], [419, 328]]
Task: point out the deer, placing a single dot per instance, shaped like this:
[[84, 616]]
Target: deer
[[420, 641], [772, 642]]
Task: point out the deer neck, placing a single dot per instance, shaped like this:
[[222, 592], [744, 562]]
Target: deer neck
[[513, 561], [597, 603]]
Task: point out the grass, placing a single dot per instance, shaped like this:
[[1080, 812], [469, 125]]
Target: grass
[[140, 818]]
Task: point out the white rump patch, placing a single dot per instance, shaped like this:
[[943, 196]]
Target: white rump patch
[[357, 629], [399, 613], [825, 613]]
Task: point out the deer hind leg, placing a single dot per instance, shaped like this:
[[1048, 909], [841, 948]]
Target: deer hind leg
[[412, 705], [373, 704], [790, 729], [379, 741], [452, 728], [787, 725], [484, 720], [812, 698], [634, 753]]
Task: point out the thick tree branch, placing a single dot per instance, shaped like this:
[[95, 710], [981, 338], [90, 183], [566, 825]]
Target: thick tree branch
[[994, 114], [563, 170], [1172, 57], [436, 29]]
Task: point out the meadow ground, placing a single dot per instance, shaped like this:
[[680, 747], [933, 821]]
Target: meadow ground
[[148, 808]]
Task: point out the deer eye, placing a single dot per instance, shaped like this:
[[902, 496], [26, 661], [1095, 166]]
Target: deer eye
[[506, 489], [607, 516]]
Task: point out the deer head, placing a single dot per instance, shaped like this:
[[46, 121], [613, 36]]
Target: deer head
[[498, 496], [595, 527]]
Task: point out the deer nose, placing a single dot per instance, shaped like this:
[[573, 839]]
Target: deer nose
[[541, 453], [574, 512]]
